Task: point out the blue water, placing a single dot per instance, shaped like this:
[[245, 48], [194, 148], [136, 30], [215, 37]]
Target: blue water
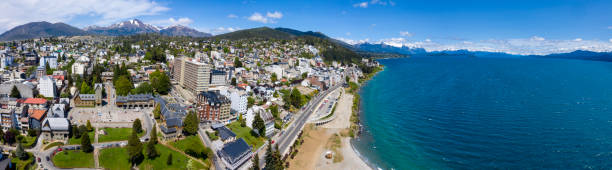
[[488, 113]]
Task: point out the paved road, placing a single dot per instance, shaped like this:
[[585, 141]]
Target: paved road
[[288, 137], [216, 161]]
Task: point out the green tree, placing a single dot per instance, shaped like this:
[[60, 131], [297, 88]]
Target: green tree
[[143, 88], [273, 159], [20, 153], [242, 121], [154, 134], [89, 127], [274, 111], [191, 123], [48, 69], [237, 62], [85, 89], [123, 86], [296, 98], [157, 111], [258, 123], [250, 102], [85, 143], [134, 149], [255, 162], [274, 78], [75, 132], [151, 151], [160, 82], [169, 161], [137, 126], [15, 92], [233, 83]]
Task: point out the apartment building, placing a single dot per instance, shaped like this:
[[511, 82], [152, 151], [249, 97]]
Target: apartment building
[[192, 74], [213, 107]]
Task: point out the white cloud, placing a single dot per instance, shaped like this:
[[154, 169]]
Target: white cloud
[[348, 33], [257, 17], [405, 34], [275, 15], [361, 5], [536, 38], [19, 12], [171, 21], [232, 16], [610, 27], [270, 17], [578, 39], [365, 4], [221, 30], [610, 40]]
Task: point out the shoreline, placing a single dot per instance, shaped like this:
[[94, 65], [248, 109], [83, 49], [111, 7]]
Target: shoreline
[[338, 135], [358, 114]]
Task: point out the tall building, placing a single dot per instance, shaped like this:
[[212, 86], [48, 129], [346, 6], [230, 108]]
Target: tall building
[[191, 74], [47, 87], [213, 107]]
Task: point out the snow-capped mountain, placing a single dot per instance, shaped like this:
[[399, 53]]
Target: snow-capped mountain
[[129, 27]]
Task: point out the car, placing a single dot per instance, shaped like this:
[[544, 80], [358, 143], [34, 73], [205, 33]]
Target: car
[[38, 158], [272, 142], [47, 158], [59, 149]]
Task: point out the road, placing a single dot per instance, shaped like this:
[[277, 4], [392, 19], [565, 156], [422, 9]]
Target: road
[[288, 137], [216, 161]]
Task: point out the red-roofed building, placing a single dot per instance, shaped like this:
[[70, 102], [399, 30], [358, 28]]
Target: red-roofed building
[[36, 103], [36, 117]]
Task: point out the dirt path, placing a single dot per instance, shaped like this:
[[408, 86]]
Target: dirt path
[[310, 151], [179, 151]]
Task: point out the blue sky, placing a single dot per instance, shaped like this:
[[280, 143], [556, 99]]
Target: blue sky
[[518, 26]]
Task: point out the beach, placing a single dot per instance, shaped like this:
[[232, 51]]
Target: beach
[[329, 138]]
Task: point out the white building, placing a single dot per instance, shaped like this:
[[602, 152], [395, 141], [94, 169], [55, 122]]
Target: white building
[[52, 60], [238, 99], [78, 68], [46, 87]]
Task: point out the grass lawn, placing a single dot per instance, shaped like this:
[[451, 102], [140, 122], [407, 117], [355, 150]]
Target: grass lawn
[[117, 159], [112, 134], [23, 164], [75, 141], [116, 134], [245, 133], [73, 159], [179, 161], [53, 144], [114, 158], [191, 142]]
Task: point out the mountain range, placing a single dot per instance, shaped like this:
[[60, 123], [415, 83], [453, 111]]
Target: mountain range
[[130, 27], [340, 50]]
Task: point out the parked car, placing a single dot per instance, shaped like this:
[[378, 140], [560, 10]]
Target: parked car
[[47, 158], [38, 158]]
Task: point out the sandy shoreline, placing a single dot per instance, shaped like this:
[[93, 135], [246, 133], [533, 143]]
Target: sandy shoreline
[[330, 138]]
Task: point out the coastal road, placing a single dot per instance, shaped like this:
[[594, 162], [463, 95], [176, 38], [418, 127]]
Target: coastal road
[[289, 136]]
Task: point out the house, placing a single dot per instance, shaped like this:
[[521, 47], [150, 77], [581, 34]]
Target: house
[[234, 154], [36, 117], [172, 115], [218, 78], [55, 129], [225, 134], [213, 107], [58, 111], [36, 103], [135, 100], [51, 60], [46, 87], [85, 100]]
